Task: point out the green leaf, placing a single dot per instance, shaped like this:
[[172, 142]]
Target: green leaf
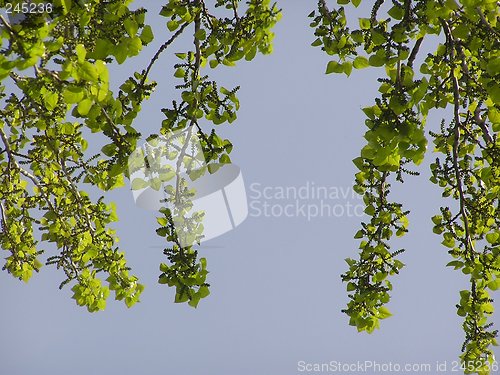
[[163, 222], [492, 238], [370, 210], [213, 63], [494, 284], [347, 68], [396, 12], [379, 276], [449, 242], [437, 219], [334, 67], [116, 170], [181, 296], [494, 92], [73, 94], [225, 159], [194, 301], [50, 100], [376, 60], [162, 232], [66, 4], [456, 264], [139, 183], [357, 36], [179, 73], [147, 35], [130, 26], [109, 150], [361, 62], [493, 66], [81, 52], [68, 128], [84, 107], [102, 49], [317, 42], [88, 72], [172, 25], [134, 46], [364, 23], [228, 62], [397, 105], [359, 234], [378, 38], [121, 53], [383, 312], [420, 91], [201, 34], [494, 115], [251, 53], [204, 291]]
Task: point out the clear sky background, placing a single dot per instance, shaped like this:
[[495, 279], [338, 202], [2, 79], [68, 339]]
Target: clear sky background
[[276, 290]]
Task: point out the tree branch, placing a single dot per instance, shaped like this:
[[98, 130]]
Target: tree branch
[[482, 124], [5, 227], [485, 22], [414, 51], [23, 171], [456, 141], [160, 51], [194, 87]]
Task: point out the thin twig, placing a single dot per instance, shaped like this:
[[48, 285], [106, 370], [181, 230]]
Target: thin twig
[[160, 51], [482, 124], [5, 227], [208, 16], [7, 24]]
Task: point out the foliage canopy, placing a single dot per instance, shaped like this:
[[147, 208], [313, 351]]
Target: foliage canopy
[[463, 73], [55, 87]]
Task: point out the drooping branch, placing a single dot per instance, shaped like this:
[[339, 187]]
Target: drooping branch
[[456, 142]]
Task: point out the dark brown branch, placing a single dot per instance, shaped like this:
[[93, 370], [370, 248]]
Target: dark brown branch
[[414, 51], [235, 10], [160, 51], [456, 141], [5, 227], [485, 22], [482, 124], [12, 161], [407, 15]]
